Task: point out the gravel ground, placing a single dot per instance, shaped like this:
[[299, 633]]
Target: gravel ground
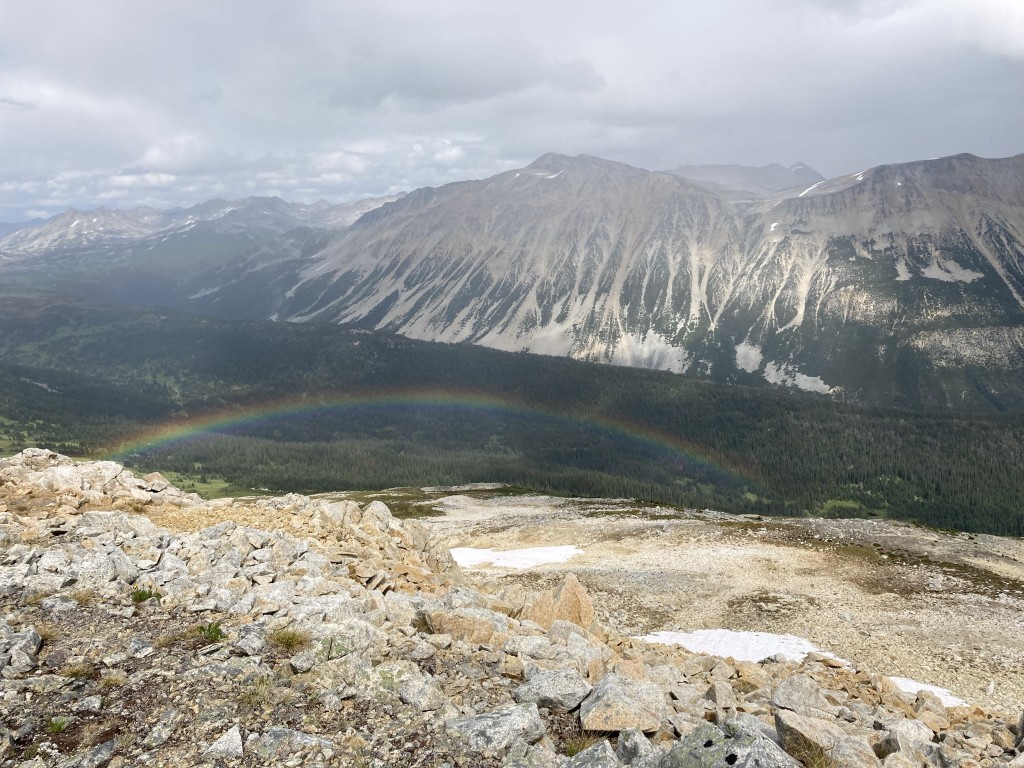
[[944, 609]]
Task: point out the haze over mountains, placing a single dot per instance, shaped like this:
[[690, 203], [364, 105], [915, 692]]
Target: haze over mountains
[[902, 284]]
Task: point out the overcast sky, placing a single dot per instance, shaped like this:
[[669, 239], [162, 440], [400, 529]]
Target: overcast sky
[[124, 103]]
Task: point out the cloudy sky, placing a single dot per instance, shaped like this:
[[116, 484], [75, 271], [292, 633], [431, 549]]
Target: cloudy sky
[[171, 102]]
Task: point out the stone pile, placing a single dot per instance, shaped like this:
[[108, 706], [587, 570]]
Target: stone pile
[[341, 636]]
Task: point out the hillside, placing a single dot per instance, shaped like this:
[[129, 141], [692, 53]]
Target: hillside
[[143, 625]]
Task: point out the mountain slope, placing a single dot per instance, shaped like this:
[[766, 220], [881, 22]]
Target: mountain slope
[[901, 284], [140, 255], [756, 181]]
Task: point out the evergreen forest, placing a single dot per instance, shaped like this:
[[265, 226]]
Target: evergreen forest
[[310, 408]]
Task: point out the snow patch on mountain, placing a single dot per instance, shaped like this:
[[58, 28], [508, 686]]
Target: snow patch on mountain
[[787, 375], [748, 357], [949, 271], [650, 350]]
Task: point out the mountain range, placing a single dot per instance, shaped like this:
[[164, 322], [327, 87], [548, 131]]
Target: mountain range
[[899, 285]]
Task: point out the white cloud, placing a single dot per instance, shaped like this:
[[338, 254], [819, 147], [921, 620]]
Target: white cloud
[[344, 99]]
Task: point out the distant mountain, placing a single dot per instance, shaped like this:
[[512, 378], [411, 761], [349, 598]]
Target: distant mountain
[[897, 285], [7, 227], [140, 255], [902, 284], [756, 181]]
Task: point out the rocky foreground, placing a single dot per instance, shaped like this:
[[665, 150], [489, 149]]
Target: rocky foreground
[[346, 637]]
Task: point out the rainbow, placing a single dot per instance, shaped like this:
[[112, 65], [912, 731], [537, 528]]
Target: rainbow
[[239, 417]]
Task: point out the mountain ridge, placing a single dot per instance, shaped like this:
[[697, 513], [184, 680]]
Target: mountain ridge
[[603, 261], [901, 284]]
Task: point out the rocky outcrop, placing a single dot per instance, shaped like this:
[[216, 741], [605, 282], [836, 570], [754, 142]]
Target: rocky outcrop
[[124, 642]]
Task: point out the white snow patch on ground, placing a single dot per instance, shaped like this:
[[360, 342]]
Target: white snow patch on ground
[[773, 226], [907, 685], [742, 646], [748, 357], [468, 557], [755, 646], [902, 270]]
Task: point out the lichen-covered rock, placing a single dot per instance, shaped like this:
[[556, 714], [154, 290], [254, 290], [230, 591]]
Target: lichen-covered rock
[[617, 703], [497, 731], [559, 690], [600, 755]]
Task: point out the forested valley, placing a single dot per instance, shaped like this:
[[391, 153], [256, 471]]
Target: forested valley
[[312, 408]]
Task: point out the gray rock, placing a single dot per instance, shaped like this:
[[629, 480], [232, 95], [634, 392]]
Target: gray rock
[[497, 731], [28, 641], [617, 703], [689, 697], [898, 760], [227, 746], [164, 729], [537, 756], [558, 690], [599, 755], [802, 695], [97, 756], [277, 744], [904, 736], [350, 635], [12, 578], [708, 747], [412, 686], [94, 570], [744, 724], [810, 736], [124, 567], [722, 694], [632, 746]]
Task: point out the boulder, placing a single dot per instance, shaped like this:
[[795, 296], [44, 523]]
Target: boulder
[[277, 744], [559, 690], [708, 747], [632, 745], [809, 738], [497, 731], [598, 755], [617, 703], [802, 695], [229, 745], [473, 625]]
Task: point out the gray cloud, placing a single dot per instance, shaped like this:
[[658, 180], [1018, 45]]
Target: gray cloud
[[123, 103]]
